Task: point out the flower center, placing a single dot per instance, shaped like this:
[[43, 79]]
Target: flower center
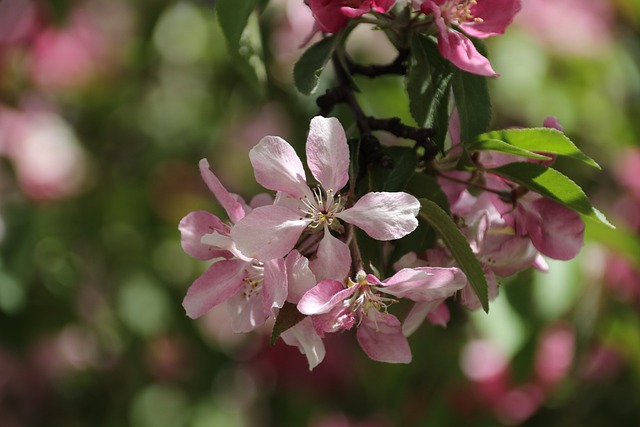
[[322, 209], [253, 278], [367, 297], [456, 12]]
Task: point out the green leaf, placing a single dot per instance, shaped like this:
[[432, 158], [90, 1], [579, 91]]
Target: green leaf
[[405, 161], [552, 184], [422, 185], [429, 86], [233, 16], [288, 317], [307, 70], [249, 58], [472, 100], [539, 140], [501, 146], [459, 247]]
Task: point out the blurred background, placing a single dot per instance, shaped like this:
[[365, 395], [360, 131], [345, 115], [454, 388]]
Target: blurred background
[[106, 106]]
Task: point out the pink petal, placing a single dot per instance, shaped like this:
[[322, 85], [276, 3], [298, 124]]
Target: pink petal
[[556, 231], [262, 199], [300, 278], [382, 338], [328, 153], [196, 224], [458, 49], [277, 166], [382, 6], [219, 283], [304, 336], [324, 296], [268, 232], [553, 123], [274, 286], [328, 15], [247, 313], [417, 314], [440, 315], [337, 319], [233, 208], [384, 216], [355, 12], [468, 297], [425, 283], [332, 260], [496, 16]]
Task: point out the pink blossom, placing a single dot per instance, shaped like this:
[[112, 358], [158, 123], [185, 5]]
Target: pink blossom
[[49, 161], [333, 15], [335, 306], [254, 290], [588, 33], [272, 231], [477, 18]]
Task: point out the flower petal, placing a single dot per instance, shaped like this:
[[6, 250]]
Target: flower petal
[[268, 232], [416, 316], [328, 153], [328, 15], [555, 230], [300, 278], [382, 338], [274, 286], [425, 283], [247, 314], [333, 259], [277, 166], [233, 208], [219, 283], [457, 48], [496, 15], [196, 224], [304, 336], [384, 216], [324, 296], [468, 297]]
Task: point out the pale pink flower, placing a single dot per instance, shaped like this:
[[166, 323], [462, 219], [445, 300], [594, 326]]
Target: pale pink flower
[[477, 18], [333, 15], [335, 306], [272, 231], [254, 290], [49, 161]]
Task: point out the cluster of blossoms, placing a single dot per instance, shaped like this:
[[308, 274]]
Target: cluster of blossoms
[[509, 229], [295, 255], [282, 250], [453, 20]]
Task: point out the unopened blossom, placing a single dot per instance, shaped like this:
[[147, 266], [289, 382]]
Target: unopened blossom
[[270, 232], [363, 303], [333, 15], [254, 290], [476, 18]]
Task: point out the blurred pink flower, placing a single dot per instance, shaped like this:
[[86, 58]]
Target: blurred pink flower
[[88, 46], [555, 354], [570, 27], [49, 161], [626, 171], [18, 20]]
